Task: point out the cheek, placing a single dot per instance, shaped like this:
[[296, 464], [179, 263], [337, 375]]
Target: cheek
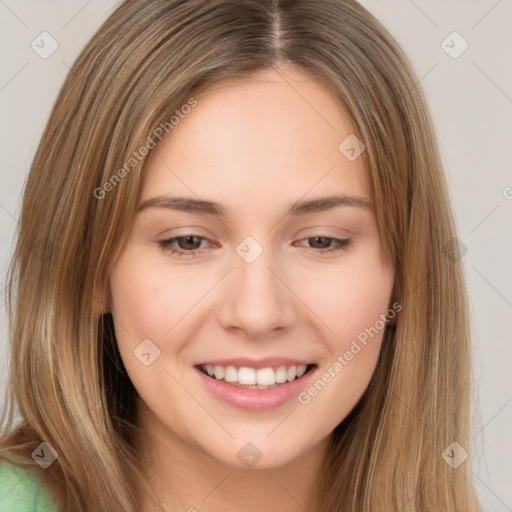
[[149, 299], [347, 300], [349, 296], [350, 302]]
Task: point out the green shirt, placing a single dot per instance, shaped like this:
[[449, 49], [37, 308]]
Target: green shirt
[[21, 491]]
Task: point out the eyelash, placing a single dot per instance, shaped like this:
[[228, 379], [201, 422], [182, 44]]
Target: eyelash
[[166, 245]]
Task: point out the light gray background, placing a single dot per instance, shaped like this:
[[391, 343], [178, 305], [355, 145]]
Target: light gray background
[[471, 102]]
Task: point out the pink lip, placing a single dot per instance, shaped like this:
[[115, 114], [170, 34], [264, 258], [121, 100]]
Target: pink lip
[[256, 399], [256, 363]]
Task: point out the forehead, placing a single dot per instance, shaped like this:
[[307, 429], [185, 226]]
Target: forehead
[[271, 136]]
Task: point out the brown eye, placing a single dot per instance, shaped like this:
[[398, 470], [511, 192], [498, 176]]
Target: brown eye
[[187, 245], [325, 244], [323, 241]]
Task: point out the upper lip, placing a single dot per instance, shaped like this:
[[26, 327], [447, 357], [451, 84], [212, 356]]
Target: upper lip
[[240, 362]]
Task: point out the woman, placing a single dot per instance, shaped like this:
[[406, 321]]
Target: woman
[[311, 349]]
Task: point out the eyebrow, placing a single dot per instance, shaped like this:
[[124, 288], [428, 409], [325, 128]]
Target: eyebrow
[[203, 207]]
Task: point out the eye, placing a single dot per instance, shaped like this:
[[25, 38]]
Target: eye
[[187, 242], [334, 244], [190, 245]]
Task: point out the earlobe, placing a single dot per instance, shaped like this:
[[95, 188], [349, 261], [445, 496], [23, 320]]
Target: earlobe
[[99, 304]]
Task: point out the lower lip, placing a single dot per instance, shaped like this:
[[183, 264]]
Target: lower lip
[[256, 399]]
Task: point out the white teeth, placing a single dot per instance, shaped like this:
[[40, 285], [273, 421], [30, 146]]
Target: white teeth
[[219, 372], [265, 377], [230, 374], [246, 376], [281, 374], [291, 373], [301, 370], [261, 378]]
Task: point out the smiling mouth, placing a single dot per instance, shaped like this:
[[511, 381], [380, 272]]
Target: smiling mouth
[[251, 378]]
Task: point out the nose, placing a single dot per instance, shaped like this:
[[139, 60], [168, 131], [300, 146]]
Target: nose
[[256, 298]]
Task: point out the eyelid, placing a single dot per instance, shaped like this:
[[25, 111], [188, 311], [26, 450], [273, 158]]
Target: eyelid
[[338, 245]]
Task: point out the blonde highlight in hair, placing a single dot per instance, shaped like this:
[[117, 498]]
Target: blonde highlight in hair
[[66, 375]]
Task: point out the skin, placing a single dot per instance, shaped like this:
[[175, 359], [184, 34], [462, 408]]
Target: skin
[[256, 145]]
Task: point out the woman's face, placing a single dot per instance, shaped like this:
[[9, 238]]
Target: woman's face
[[258, 286]]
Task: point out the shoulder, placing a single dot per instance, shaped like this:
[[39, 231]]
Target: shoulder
[[22, 491]]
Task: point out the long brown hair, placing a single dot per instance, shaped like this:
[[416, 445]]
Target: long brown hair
[[146, 61]]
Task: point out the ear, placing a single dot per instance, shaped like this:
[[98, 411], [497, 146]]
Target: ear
[[96, 304], [100, 304]]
